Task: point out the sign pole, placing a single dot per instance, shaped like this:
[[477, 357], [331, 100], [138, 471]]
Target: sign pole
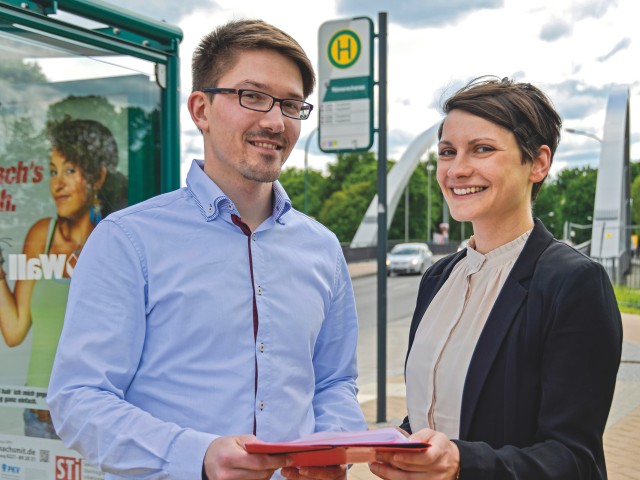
[[345, 91], [382, 218]]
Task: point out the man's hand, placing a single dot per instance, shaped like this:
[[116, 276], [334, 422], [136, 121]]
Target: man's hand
[[441, 461], [227, 459], [336, 472]]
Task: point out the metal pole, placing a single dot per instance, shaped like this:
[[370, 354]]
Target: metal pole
[[382, 217], [170, 122], [306, 166], [406, 214], [429, 170], [445, 211]]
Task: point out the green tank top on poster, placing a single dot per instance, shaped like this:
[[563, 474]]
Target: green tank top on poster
[[48, 305]]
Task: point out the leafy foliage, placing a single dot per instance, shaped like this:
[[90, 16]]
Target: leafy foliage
[[342, 212], [293, 180], [566, 202], [340, 199], [20, 73]]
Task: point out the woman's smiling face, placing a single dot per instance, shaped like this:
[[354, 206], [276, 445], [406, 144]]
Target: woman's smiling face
[[480, 171], [69, 188]]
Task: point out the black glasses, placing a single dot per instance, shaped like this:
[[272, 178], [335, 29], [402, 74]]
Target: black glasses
[[263, 102]]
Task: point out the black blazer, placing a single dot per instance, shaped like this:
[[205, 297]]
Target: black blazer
[[540, 382]]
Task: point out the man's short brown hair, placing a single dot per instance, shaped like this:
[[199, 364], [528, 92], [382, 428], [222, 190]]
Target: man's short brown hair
[[218, 51]]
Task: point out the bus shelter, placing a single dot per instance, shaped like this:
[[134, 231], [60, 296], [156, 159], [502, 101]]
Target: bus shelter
[[89, 123]]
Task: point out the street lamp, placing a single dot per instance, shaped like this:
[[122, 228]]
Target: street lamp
[[582, 132], [406, 213], [306, 165], [430, 168]]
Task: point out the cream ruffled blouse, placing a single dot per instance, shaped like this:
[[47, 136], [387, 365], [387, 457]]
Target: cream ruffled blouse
[[447, 335]]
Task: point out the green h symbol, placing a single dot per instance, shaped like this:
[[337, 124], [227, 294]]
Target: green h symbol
[[346, 48]]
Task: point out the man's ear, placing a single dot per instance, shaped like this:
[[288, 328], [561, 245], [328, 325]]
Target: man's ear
[[197, 104], [541, 164]]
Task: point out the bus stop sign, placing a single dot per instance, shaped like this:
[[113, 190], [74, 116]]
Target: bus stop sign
[[345, 72]]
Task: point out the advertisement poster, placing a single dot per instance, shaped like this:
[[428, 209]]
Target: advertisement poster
[[63, 167]]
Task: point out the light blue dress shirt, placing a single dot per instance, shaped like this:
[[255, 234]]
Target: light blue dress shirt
[[157, 355]]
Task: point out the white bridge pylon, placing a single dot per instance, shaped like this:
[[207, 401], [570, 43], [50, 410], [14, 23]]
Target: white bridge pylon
[[610, 235], [397, 179]]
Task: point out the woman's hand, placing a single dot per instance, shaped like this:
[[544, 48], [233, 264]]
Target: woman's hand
[[440, 461]]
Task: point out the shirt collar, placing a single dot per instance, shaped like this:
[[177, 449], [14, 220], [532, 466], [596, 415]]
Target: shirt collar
[[212, 200]]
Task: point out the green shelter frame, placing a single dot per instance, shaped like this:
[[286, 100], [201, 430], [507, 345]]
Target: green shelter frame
[[126, 33]]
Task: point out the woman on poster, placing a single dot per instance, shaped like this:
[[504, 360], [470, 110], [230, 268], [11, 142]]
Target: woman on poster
[[85, 187]]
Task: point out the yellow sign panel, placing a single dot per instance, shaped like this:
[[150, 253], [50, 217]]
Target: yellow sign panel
[[344, 48]]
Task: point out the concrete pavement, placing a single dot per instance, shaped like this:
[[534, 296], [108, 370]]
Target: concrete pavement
[[622, 434]]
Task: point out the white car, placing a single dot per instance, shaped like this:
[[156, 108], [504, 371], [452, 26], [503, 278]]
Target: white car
[[409, 258]]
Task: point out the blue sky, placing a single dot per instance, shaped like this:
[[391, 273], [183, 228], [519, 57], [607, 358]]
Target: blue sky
[[575, 50]]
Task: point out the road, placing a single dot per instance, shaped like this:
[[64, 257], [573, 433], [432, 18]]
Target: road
[[401, 300]]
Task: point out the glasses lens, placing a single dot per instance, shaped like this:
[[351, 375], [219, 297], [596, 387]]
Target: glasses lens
[[262, 102], [293, 108], [256, 100], [305, 110]]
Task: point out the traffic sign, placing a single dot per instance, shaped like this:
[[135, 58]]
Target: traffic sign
[[345, 73]]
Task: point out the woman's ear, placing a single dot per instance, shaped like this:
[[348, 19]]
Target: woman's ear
[[103, 174], [197, 104], [541, 164]]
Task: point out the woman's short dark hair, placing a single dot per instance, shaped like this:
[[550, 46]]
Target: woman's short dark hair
[[218, 51], [521, 108]]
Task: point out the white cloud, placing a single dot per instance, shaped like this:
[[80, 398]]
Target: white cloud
[[587, 48], [555, 29]]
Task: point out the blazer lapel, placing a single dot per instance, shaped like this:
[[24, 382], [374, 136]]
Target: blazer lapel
[[510, 300]]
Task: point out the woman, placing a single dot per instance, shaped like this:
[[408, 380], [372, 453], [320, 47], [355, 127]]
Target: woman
[[83, 157], [515, 341]]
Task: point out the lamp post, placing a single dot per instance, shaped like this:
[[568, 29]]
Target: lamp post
[[430, 168], [582, 132], [406, 213], [306, 165], [568, 225]]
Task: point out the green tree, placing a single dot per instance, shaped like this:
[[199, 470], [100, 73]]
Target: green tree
[[418, 186], [635, 195], [343, 211], [352, 168], [568, 199], [547, 207], [349, 189], [579, 191], [292, 179], [22, 73], [635, 202]]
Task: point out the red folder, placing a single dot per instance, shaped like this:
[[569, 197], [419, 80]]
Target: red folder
[[338, 448]]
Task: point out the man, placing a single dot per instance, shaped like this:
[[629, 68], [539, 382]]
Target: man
[[203, 318]]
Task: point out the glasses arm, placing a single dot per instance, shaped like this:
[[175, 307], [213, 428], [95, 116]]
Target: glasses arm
[[219, 90]]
